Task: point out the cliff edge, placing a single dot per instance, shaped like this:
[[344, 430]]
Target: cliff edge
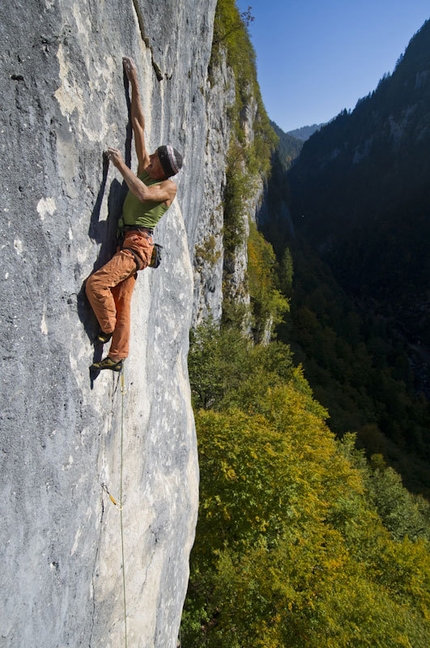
[[66, 441]]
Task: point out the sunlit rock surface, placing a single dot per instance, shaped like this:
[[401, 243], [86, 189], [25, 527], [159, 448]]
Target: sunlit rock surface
[[63, 101]]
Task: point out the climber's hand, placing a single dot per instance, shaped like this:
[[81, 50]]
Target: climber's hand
[[114, 156], [130, 68]]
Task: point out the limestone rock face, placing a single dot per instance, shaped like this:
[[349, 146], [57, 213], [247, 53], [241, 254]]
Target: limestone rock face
[[209, 247], [218, 275], [66, 441]]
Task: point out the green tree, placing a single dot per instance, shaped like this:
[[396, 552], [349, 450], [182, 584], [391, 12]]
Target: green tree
[[286, 273], [268, 303], [290, 550]]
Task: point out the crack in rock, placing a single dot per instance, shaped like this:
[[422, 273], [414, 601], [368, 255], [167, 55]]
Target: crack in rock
[[158, 72]]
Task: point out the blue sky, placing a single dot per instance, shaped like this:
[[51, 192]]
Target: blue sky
[[317, 57]]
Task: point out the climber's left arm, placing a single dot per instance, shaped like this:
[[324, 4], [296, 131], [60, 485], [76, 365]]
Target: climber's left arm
[[137, 116]]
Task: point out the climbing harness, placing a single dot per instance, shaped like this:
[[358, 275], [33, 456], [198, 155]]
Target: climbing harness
[[120, 503], [123, 391], [156, 255]]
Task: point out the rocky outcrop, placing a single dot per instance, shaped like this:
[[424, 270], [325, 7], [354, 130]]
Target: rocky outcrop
[[67, 442], [209, 243], [219, 276]]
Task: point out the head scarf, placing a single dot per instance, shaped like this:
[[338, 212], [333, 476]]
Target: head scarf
[[170, 159]]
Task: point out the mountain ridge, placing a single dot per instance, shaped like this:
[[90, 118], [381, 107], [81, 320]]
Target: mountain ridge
[[304, 132], [369, 171], [353, 210]]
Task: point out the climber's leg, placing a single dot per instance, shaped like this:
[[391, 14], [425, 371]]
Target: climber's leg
[[122, 294], [99, 288]]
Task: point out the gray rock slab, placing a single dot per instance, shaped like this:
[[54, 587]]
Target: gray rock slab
[[63, 102]]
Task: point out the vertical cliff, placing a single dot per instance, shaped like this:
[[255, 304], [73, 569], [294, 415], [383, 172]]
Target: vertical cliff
[[63, 101], [209, 234]]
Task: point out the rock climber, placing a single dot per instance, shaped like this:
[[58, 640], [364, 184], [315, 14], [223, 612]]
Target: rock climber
[[151, 192]]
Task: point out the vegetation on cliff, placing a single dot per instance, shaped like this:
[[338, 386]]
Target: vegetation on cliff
[[299, 541], [302, 540], [251, 145]]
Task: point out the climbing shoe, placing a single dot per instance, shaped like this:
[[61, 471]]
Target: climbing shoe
[[103, 337], [107, 363]]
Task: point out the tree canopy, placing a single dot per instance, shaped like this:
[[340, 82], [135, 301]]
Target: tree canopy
[[300, 541]]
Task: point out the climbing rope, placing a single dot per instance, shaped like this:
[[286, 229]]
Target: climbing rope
[[123, 391], [115, 502]]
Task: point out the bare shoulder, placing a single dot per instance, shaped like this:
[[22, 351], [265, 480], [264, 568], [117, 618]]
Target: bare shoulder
[[170, 187]]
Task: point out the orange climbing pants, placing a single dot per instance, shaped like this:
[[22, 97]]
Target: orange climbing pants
[[110, 289]]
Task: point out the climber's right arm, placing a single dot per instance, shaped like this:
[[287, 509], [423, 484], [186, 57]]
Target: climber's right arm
[[137, 116], [162, 192]]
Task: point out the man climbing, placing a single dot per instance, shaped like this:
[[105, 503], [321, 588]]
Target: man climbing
[[150, 194]]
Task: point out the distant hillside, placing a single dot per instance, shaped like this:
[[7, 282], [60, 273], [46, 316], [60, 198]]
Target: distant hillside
[[351, 218], [361, 194], [288, 148], [305, 132], [291, 143]]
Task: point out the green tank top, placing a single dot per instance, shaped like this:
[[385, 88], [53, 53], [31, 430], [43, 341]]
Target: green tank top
[[142, 214]]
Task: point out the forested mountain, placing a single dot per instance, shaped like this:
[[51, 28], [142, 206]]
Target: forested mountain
[[304, 132], [361, 193], [289, 146], [354, 214]]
